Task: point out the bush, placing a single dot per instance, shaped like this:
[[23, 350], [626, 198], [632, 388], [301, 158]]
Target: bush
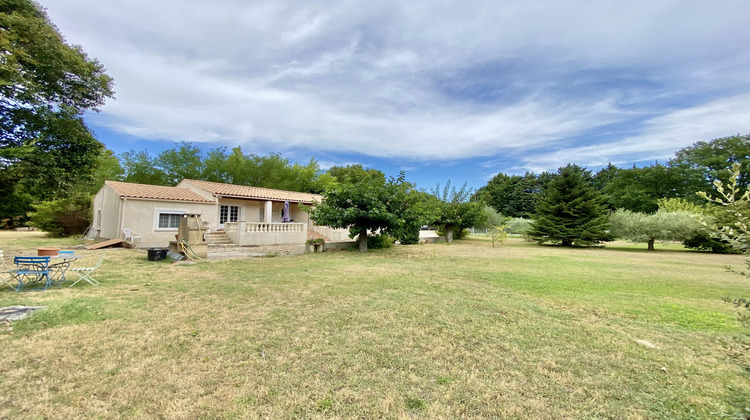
[[518, 225], [63, 217], [441, 231], [408, 234], [379, 241], [704, 242]]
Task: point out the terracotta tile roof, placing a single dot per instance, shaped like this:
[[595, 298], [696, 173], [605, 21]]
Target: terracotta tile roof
[[155, 192], [242, 191]]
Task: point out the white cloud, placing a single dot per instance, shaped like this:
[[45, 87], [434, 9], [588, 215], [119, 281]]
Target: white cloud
[[429, 81], [660, 138]]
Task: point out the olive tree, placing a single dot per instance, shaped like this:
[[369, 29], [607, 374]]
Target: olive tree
[[659, 226]]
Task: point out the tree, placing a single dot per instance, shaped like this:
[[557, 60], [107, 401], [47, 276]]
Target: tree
[[65, 216], [571, 211], [184, 161], [416, 209], [455, 212], [737, 205], [45, 88], [662, 226], [362, 200], [639, 189], [140, 168], [514, 195], [707, 161]]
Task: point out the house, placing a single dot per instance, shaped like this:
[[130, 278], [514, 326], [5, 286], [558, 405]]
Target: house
[[248, 215]]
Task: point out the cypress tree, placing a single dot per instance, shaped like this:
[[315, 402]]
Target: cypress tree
[[571, 211]]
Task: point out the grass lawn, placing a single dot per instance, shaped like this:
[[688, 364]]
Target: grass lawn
[[425, 331]]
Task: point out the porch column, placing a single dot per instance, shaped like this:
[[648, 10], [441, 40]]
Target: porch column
[[268, 213]]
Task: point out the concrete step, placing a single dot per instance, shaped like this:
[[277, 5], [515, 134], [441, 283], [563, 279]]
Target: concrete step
[[218, 238]]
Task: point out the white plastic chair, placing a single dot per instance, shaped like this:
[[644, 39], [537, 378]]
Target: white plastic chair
[[130, 236], [84, 273]]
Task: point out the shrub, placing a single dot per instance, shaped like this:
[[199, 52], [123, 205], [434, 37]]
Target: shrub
[[459, 234], [315, 241], [705, 242], [63, 217], [518, 225], [408, 235], [379, 241]]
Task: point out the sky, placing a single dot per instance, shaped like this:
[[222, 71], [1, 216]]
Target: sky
[[443, 90]]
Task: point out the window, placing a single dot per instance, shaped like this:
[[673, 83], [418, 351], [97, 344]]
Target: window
[[169, 220], [229, 214]]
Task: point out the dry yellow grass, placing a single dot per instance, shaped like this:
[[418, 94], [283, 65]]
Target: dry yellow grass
[[433, 331]]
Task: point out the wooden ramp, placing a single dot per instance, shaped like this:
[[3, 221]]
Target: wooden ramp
[[108, 244]]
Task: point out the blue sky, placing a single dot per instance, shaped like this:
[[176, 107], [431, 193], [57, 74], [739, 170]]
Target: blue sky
[[440, 89]]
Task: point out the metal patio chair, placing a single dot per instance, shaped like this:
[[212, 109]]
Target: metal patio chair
[[84, 273], [9, 273], [32, 270]]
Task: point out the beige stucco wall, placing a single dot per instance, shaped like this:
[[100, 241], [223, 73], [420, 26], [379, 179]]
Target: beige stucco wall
[[331, 234], [107, 213], [142, 217]]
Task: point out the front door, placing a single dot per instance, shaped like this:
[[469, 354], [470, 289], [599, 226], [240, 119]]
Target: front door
[[228, 214]]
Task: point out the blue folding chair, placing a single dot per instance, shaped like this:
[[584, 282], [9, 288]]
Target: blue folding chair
[[32, 270]]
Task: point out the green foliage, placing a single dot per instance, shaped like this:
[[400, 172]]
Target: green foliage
[[414, 404], [648, 228], [416, 209], [514, 195], [736, 204], [639, 189], [703, 240], [315, 241], [107, 168], [498, 234], [46, 86], [454, 212], [185, 161], [140, 168], [706, 242], [491, 218], [571, 212], [519, 225], [63, 217], [362, 200], [380, 241], [680, 204], [708, 160]]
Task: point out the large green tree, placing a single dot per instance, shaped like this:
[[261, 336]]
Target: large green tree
[[514, 195], [185, 160], [364, 201], [640, 189], [572, 211], [707, 161], [46, 86]]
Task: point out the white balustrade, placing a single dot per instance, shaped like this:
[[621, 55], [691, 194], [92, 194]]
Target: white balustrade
[[273, 227]]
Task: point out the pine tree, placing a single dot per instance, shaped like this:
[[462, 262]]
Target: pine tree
[[572, 211]]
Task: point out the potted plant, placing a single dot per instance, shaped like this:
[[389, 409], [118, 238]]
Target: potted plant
[[315, 244]]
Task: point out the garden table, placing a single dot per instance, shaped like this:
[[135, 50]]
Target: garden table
[[58, 269]]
